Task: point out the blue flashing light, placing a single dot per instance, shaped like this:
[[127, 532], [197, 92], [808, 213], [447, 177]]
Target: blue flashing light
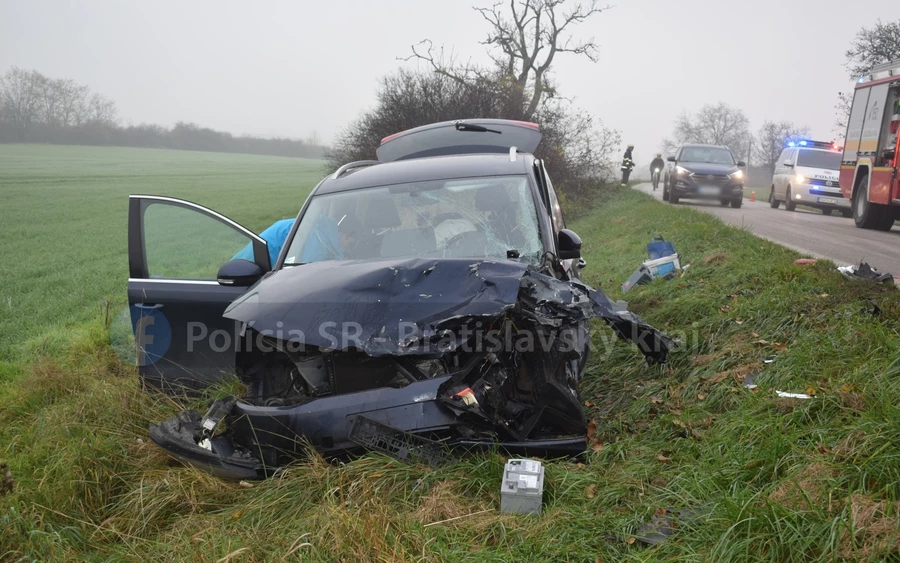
[[792, 144], [861, 80], [802, 143]]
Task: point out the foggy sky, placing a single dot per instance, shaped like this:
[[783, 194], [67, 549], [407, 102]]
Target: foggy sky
[[293, 67]]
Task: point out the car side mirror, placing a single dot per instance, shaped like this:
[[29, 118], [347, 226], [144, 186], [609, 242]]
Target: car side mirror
[[741, 163], [671, 159], [569, 245], [788, 164], [239, 273]]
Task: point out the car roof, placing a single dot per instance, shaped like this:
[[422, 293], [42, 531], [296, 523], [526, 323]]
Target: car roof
[[703, 146], [425, 169]]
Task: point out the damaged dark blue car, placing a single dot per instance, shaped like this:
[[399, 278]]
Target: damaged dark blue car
[[433, 294]]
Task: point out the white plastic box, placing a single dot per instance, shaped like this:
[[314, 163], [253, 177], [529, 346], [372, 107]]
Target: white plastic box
[[662, 267], [522, 489]]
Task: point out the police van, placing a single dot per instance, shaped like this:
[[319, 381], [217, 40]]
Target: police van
[[808, 173]]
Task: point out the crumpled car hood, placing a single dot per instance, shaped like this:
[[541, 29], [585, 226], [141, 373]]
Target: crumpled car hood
[[392, 307]]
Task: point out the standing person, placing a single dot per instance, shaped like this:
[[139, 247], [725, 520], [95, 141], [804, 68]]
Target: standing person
[[627, 164], [656, 169]]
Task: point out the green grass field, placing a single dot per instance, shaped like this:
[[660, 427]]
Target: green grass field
[[63, 221], [773, 479]]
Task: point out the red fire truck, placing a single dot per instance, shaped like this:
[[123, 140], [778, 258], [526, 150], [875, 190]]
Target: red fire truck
[[869, 165]]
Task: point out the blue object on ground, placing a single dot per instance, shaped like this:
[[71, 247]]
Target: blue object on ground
[[659, 247]]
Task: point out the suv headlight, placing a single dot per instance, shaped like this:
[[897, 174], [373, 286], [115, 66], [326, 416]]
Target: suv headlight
[[739, 175], [680, 170]]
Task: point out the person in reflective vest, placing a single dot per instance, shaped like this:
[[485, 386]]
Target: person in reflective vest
[[627, 164]]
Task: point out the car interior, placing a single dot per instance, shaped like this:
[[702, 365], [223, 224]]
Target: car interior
[[486, 219]]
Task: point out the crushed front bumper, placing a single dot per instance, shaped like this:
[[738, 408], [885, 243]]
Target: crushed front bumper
[[179, 437], [257, 440]]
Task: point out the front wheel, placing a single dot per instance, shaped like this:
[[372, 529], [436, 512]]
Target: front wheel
[[866, 214], [673, 197], [789, 203], [736, 203], [773, 202], [827, 212], [724, 203], [847, 213]]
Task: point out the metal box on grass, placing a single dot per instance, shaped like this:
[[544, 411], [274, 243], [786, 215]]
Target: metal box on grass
[[522, 489]]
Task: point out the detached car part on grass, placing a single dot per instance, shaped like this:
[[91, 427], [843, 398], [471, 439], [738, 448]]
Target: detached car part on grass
[[467, 354]]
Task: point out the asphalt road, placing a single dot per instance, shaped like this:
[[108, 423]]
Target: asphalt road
[[806, 231]]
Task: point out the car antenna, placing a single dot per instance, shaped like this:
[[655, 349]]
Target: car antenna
[[463, 126]]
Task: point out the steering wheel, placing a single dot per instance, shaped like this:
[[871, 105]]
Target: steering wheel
[[456, 239], [441, 217]]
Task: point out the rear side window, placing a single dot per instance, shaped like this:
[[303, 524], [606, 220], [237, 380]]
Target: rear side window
[[819, 159]]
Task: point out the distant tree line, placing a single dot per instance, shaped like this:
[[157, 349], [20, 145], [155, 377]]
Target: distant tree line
[[38, 109]]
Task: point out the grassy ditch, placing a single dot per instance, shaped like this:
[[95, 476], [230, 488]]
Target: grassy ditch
[[767, 478]]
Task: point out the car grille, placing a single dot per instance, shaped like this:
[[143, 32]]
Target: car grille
[[823, 192], [826, 183], [711, 179]]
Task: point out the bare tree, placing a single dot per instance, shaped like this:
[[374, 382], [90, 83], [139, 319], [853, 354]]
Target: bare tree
[[525, 37], [771, 139], [714, 124], [72, 102], [873, 46], [842, 113], [101, 109], [576, 148], [20, 98]]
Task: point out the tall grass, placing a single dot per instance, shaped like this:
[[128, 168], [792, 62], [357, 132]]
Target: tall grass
[[769, 479]]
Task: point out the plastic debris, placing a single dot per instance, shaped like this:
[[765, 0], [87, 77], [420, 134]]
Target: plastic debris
[[805, 261], [402, 446], [749, 381], [663, 262], [659, 248], [522, 489], [666, 522], [768, 359], [873, 309], [786, 395], [864, 272]]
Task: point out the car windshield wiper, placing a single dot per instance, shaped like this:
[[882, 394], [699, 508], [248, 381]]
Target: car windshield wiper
[[462, 126], [294, 264]]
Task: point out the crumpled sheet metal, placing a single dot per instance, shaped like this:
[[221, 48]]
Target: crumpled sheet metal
[[399, 307], [865, 272]]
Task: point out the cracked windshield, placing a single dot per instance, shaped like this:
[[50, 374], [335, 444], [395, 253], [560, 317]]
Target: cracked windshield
[[492, 217]]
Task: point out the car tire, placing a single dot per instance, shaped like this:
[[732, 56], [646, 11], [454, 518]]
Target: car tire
[[724, 203], [866, 214], [788, 201], [773, 202], [827, 212], [673, 198], [736, 203], [666, 192], [847, 213]]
